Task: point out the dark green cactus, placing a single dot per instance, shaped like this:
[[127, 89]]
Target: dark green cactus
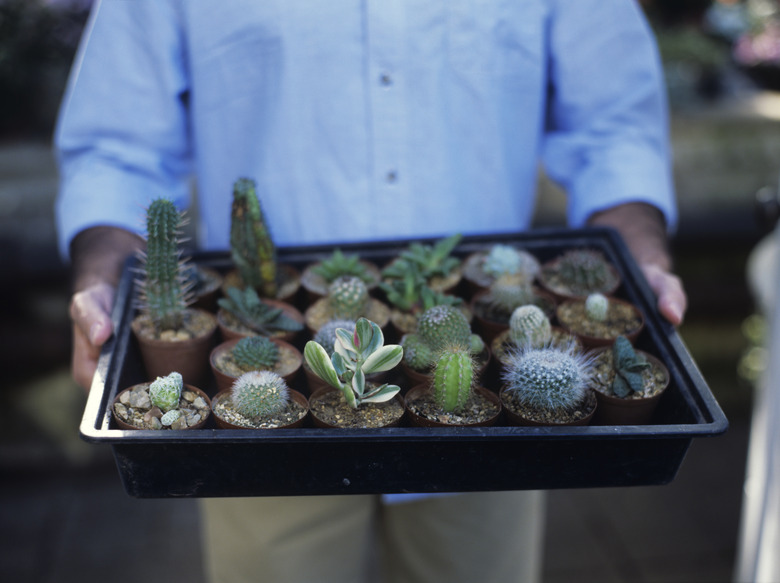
[[443, 326], [452, 378], [252, 249], [259, 394], [629, 367], [164, 295], [585, 271], [256, 353], [339, 264], [348, 298], [417, 354], [509, 292], [255, 314]]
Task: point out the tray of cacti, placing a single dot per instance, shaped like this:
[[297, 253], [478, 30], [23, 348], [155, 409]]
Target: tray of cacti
[[459, 364]]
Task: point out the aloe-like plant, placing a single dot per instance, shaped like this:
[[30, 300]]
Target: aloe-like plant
[[163, 292], [356, 355], [453, 378], [251, 246], [251, 311], [431, 260], [339, 264], [629, 366], [411, 293], [255, 353]]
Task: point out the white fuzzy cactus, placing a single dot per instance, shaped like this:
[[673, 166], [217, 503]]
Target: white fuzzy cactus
[[596, 306], [165, 392], [530, 326]]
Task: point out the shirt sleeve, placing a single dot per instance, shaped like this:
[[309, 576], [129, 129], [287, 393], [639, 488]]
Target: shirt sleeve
[[122, 134], [607, 139]]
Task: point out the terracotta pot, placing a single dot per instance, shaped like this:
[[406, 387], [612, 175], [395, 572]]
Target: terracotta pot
[[614, 410], [589, 341], [289, 282], [124, 425], [226, 380], [418, 420], [187, 357], [517, 418], [230, 330], [323, 392], [223, 424]]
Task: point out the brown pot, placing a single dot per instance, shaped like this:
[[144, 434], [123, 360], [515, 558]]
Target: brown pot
[[592, 341], [189, 358], [352, 416], [517, 418], [223, 424], [425, 391], [124, 425], [230, 329], [613, 410], [225, 380]]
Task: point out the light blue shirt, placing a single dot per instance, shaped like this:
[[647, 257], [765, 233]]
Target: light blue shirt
[[362, 119]]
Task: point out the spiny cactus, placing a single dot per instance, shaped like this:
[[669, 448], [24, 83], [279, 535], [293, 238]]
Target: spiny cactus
[[165, 392], [628, 367], [260, 317], [554, 379], [431, 260], [529, 326], [347, 298], [453, 378], [255, 353], [252, 249], [164, 295], [326, 335], [437, 328], [510, 291], [259, 394], [585, 271], [417, 354], [507, 260], [596, 307], [339, 264]]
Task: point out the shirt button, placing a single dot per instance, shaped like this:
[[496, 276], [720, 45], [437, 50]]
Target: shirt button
[[391, 176], [385, 79]]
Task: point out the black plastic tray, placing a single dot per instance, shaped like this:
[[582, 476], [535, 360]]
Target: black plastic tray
[[310, 461]]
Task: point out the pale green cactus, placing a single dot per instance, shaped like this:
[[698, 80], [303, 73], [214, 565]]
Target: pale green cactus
[[259, 394], [255, 353], [357, 353], [596, 307], [507, 260], [554, 379], [417, 354], [165, 392], [453, 377], [529, 326], [510, 291], [348, 298], [170, 417]]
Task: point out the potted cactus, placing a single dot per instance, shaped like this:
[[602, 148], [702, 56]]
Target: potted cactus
[[259, 399], [454, 397], [163, 404], [347, 299], [598, 320], [435, 263], [351, 400], [316, 277], [579, 272], [253, 251], [628, 384], [482, 268], [529, 326], [243, 313], [232, 358], [548, 386], [326, 337], [171, 335]]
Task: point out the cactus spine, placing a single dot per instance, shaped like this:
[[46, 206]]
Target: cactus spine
[[252, 249], [596, 307], [259, 394], [453, 378], [438, 327], [348, 298], [163, 292], [585, 271], [529, 326], [256, 353], [165, 392]]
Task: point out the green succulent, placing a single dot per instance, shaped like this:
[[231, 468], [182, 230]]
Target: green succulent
[[507, 260], [247, 307], [453, 377], [255, 353], [259, 394], [530, 326], [339, 264], [431, 260], [438, 328], [165, 392], [411, 293], [347, 298], [629, 366]]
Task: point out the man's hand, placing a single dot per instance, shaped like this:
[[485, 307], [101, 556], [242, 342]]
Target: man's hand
[[668, 288], [90, 310]]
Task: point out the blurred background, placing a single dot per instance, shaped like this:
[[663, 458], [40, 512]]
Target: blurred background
[[722, 64]]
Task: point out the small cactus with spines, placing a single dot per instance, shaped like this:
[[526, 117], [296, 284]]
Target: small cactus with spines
[[165, 392], [453, 378], [585, 271], [437, 328], [529, 326], [596, 307], [347, 298], [259, 394], [509, 291], [251, 246], [553, 379], [163, 292], [507, 260], [170, 417], [326, 335], [255, 353]]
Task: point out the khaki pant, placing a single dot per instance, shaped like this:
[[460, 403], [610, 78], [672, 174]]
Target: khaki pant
[[490, 537]]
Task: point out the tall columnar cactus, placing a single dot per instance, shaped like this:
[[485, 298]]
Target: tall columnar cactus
[[554, 379], [453, 378], [165, 392], [260, 317], [596, 307], [326, 335], [585, 271], [507, 260], [509, 291], [256, 353], [348, 298], [529, 326], [163, 292], [259, 394], [252, 249]]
